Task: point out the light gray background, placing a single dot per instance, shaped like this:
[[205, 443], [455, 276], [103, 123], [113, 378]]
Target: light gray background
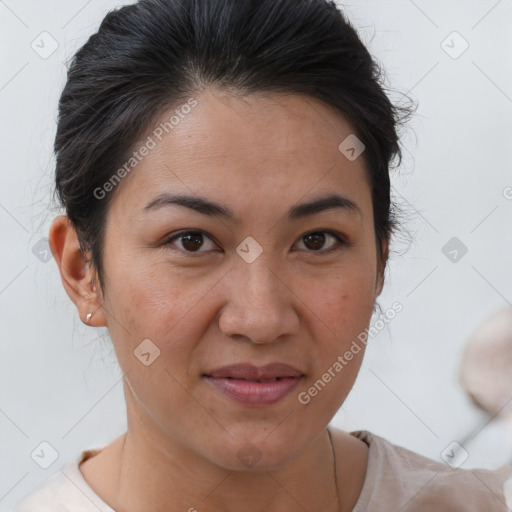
[[60, 382]]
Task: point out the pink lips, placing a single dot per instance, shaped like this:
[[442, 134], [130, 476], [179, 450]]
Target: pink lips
[[240, 382]]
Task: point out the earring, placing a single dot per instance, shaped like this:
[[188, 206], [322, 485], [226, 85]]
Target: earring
[[88, 317]]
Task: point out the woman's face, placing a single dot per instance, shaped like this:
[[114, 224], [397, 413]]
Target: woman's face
[[247, 289]]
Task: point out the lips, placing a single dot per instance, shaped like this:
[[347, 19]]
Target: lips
[[253, 386], [246, 371]]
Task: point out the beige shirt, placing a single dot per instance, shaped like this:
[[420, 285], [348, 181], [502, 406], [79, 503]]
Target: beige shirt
[[396, 480]]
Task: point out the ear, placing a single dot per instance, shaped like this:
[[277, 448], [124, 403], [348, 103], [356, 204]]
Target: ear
[[382, 259], [78, 276]]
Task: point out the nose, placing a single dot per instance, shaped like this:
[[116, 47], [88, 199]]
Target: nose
[[261, 305]]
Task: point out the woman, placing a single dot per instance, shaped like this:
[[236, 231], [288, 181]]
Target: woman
[[224, 167]]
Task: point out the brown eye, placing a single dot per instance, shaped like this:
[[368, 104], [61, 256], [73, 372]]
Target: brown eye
[[191, 241], [315, 240]]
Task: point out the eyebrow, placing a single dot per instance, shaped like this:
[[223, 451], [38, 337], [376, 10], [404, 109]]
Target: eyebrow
[[211, 208]]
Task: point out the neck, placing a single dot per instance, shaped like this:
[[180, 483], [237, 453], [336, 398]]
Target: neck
[[152, 478], [151, 469]]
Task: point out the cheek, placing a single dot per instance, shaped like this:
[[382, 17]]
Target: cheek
[[170, 307], [154, 304], [153, 298], [342, 303], [338, 309]]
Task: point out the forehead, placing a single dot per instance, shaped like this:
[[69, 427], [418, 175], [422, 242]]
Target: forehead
[[276, 129], [237, 149]]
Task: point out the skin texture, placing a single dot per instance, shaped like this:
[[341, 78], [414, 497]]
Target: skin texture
[[258, 155]]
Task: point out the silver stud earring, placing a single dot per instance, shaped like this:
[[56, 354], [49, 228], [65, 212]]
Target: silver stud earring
[[88, 317]]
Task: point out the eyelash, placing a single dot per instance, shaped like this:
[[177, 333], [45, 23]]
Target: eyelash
[[340, 241]]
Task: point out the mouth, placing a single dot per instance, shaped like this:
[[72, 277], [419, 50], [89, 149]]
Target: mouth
[[247, 371], [253, 386], [250, 380]]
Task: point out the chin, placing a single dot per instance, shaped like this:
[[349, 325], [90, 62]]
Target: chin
[[258, 453]]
